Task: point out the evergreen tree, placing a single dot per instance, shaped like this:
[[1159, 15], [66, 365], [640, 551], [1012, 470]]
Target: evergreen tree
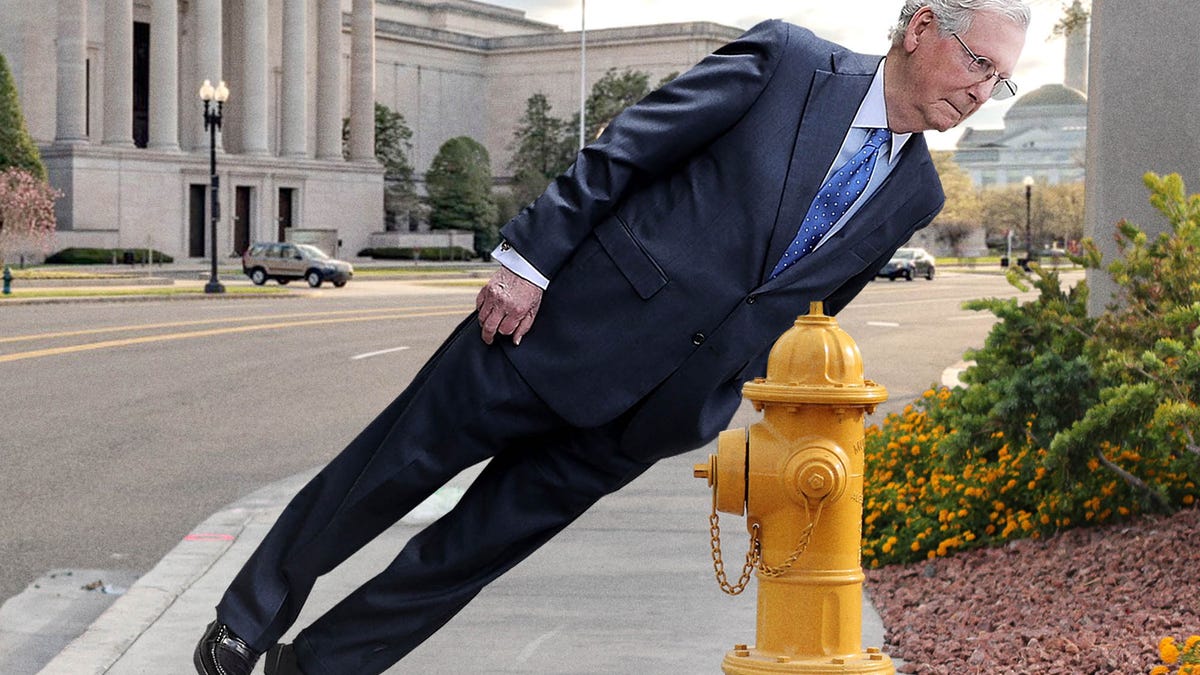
[[459, 182], [393, 143], [541, 149], [16, 147], [610, 95], [544, 146]]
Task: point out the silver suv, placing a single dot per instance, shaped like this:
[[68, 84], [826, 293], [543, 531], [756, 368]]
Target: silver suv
[[284, 262]]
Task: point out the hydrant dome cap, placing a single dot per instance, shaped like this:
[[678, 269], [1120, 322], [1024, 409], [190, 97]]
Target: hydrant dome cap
[[815, 361]]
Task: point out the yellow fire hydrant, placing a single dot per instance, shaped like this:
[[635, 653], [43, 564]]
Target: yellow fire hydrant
[[798, 476]]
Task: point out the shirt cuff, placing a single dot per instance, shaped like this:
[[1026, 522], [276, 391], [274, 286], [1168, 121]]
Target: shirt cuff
[[506, 255]]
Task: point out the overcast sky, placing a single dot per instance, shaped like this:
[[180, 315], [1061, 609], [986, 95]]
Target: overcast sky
[[861, 25]]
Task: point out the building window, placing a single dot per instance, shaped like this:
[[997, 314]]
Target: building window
[[141, 84], [87, 98]]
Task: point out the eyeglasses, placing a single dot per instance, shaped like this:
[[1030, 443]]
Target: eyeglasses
[[981, 65]]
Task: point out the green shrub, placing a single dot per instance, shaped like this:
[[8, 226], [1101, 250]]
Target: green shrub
[[1067, 420], [412, 253], [105, 256]]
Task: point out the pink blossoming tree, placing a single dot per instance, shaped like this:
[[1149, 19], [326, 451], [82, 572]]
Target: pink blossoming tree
[[26, 214]]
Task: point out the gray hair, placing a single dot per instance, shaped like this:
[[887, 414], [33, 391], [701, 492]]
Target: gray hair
[[955, 16]]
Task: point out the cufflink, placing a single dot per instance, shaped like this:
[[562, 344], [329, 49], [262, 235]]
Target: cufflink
[[505, 246]]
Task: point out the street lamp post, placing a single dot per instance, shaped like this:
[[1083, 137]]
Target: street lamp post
[[212, 122], [1028, 220], [582, 73]]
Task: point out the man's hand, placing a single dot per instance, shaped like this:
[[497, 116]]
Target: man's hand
[[507, 305]]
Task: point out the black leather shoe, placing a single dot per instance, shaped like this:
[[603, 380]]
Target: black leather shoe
[[220, 652], [281, 660]]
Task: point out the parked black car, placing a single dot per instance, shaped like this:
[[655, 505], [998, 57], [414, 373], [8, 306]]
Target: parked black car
[[908, 264]]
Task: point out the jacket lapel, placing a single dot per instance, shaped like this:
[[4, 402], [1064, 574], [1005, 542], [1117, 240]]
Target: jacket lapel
[[832, 103]]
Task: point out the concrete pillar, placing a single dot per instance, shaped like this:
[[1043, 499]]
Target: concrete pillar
[[118, 73], [362, 82], [209, 33], [1143, 60], [294, 134], [254, 76], [329, 80], [71, 118], [164, 75]]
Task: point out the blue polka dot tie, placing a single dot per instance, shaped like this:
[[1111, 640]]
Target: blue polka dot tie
[[834, 198]]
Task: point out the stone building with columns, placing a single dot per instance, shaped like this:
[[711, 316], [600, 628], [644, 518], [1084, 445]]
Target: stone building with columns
[[110, 92]]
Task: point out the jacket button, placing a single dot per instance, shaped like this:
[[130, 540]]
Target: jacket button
[[751, 299], [698, 339]]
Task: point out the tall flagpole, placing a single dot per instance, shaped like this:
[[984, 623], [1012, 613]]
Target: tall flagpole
[[582, 72]]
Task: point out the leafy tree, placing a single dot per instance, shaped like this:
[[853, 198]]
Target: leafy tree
[[459, 182], [16, 147], [1056, 213], [1075, 18], [26, 213], [962, 199], [393, 143], [611, 94], [544, 146], [962, 214], [541, 149]]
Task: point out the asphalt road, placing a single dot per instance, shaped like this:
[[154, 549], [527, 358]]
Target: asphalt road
[[125, 424]]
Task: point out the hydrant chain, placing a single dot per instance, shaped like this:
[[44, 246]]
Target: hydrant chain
[[801, 547], [752, 555]]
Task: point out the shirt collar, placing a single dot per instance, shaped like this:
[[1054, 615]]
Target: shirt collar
[[872, 113]]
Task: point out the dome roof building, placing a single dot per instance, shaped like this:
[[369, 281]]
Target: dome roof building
[[1043, 136]]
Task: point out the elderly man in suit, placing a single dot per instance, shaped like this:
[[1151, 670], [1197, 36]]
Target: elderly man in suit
[[638, 293]]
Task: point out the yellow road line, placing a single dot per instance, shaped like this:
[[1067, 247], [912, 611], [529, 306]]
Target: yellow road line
[[109, 344], [201, 322]]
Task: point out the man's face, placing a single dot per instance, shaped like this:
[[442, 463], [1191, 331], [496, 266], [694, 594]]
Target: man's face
[[939, 87]]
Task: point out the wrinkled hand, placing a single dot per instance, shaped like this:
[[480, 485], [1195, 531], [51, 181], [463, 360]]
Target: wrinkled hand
[[507, 305]]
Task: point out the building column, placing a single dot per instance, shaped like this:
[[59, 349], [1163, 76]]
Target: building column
[[329, 80], [254, 76], [164, 75], [294, 134], [209, 34], [71, 118], [362, 81], [118, 73]]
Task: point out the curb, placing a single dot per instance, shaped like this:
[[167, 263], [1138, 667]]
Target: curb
[[142, 298], [950, 376], [116, 630], [50, 282]]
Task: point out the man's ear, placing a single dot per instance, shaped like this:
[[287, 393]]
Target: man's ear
[[921, 27]]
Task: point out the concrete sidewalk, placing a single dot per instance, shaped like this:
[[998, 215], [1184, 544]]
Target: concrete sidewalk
[[628, 588]]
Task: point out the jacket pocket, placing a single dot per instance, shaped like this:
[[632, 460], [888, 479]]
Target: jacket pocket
[[627, 253]]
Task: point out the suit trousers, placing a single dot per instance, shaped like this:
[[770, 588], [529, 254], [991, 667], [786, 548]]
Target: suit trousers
[[466, 405]]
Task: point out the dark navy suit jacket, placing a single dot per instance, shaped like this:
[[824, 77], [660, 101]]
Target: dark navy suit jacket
[[659, 240]]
